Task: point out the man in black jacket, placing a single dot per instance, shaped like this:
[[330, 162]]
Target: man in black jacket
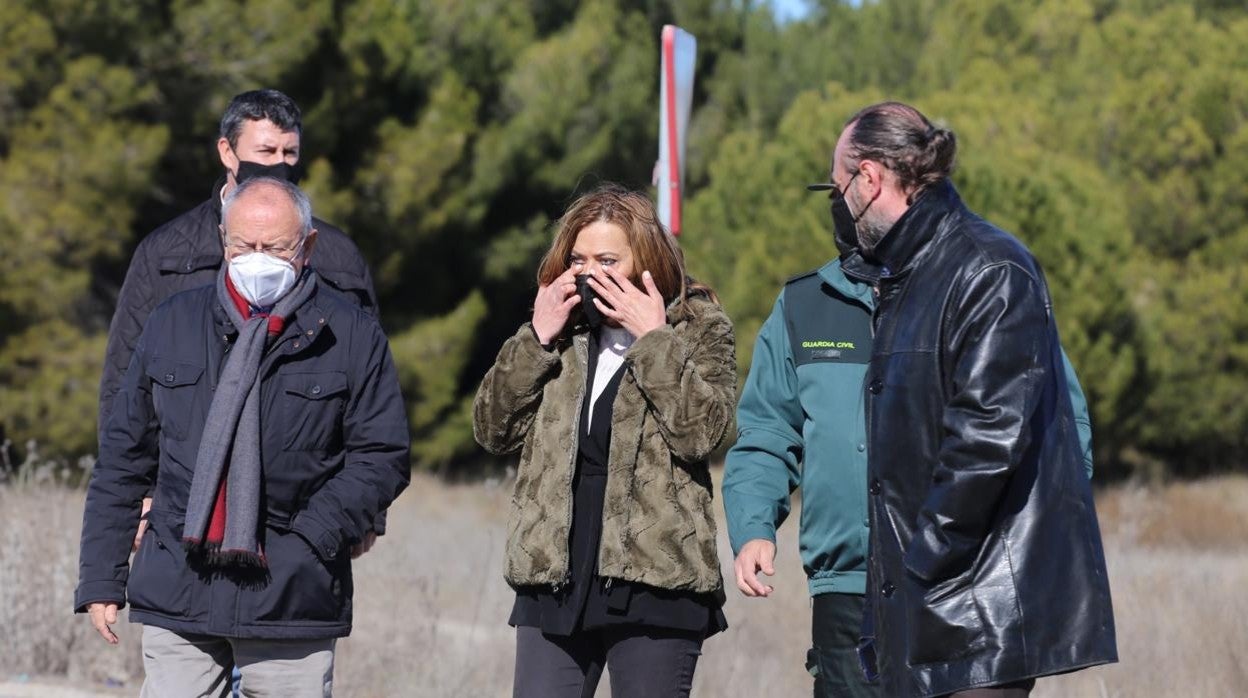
[[260, 135], [986, 568], [266, 409]]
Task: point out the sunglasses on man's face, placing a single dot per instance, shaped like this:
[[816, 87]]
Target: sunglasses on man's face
[[834, 192]]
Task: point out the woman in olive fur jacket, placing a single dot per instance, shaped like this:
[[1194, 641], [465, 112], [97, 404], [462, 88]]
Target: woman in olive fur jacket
[[615, 394]]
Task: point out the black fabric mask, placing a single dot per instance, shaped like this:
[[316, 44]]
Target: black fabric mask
[[593, 316], [249, 170], [845, 228]]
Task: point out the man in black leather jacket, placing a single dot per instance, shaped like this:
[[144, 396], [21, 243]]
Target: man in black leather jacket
[[986, 567]]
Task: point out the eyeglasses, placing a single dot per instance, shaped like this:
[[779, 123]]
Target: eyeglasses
[[284, 253], [834, 192]]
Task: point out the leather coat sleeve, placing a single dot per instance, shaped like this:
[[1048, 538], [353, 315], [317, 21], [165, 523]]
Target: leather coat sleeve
[[764, 466], [689, 382], [376, 467], [123, 473], [134, 304], [509, 395], [997, 351]]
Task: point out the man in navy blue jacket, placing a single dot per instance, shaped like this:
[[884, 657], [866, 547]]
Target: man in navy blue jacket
[[266, 409]]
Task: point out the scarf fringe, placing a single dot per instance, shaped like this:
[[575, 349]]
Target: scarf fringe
[[214, 556]]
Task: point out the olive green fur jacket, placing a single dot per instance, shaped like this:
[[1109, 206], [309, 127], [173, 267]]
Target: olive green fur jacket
[[674, 405]]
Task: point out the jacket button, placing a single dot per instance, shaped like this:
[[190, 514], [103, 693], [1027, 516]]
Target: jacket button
[[862, 447], [887, 589], [296, 345], [316, 390], [876, 386], [168, 377], [875, 487], [309, 333]]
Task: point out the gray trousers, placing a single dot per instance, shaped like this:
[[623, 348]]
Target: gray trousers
[[199, 666]]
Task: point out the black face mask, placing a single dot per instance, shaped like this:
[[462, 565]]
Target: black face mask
[[845, 228], [249, 170], [593, 316]]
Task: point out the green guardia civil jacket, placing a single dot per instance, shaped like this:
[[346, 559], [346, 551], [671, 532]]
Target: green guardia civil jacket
[[801, 423], [673, 407]]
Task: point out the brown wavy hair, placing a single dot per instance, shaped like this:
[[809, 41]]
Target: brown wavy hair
[[653, 249]]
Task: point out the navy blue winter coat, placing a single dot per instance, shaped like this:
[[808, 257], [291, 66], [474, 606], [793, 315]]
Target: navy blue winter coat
[[334, 452]]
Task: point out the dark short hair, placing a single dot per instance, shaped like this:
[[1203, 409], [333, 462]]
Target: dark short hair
[[899, 137], [257, 105]]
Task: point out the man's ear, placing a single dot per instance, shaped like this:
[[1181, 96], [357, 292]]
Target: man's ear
[[873, 175], [228, 159], [309, 243]]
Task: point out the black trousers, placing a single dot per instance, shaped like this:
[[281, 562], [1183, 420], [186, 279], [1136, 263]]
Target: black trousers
[[835, 624], [642, 662]]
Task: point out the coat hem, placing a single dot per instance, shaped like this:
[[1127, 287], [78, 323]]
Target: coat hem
[[289, 630], [942, 689]]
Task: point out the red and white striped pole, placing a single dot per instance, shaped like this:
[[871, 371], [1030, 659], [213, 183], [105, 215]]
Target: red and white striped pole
[[679, 54]]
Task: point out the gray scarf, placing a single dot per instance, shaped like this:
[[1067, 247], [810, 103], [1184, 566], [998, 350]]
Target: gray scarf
[[222, 513]]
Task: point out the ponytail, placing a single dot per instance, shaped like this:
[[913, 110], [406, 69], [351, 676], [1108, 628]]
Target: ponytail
[[903, 140]]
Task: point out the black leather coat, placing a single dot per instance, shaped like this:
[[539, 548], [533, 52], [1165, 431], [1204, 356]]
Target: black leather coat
[[986, 562]]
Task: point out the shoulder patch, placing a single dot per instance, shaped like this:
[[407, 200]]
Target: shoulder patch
[[799, 277]]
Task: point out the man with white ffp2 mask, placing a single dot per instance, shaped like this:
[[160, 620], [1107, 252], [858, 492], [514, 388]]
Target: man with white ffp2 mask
[[265, 408], [264, 263]]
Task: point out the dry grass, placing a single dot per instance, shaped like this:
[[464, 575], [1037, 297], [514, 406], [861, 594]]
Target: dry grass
[[431, 606], [39, 528]]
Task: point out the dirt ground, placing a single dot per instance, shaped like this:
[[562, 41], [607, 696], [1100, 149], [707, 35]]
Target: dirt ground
[[431, 605]]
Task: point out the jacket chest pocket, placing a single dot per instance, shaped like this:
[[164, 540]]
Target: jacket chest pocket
[[310, 411], [173, 393]]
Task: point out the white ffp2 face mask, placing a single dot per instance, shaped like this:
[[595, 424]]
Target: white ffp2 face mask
[[261, 278]]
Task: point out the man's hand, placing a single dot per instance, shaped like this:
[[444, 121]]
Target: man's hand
[[758, 554], [364, 545], [138, 536], [102, 616]]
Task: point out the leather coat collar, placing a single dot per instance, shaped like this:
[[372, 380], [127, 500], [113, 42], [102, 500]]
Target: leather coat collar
[[916, 227], [860, 269]]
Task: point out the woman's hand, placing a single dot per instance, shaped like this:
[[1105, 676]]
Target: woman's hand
[[635, 310], [552, 306]]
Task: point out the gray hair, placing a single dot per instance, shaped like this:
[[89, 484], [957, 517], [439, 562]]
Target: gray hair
[[258, 105], [899, 137], [301, 201]]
